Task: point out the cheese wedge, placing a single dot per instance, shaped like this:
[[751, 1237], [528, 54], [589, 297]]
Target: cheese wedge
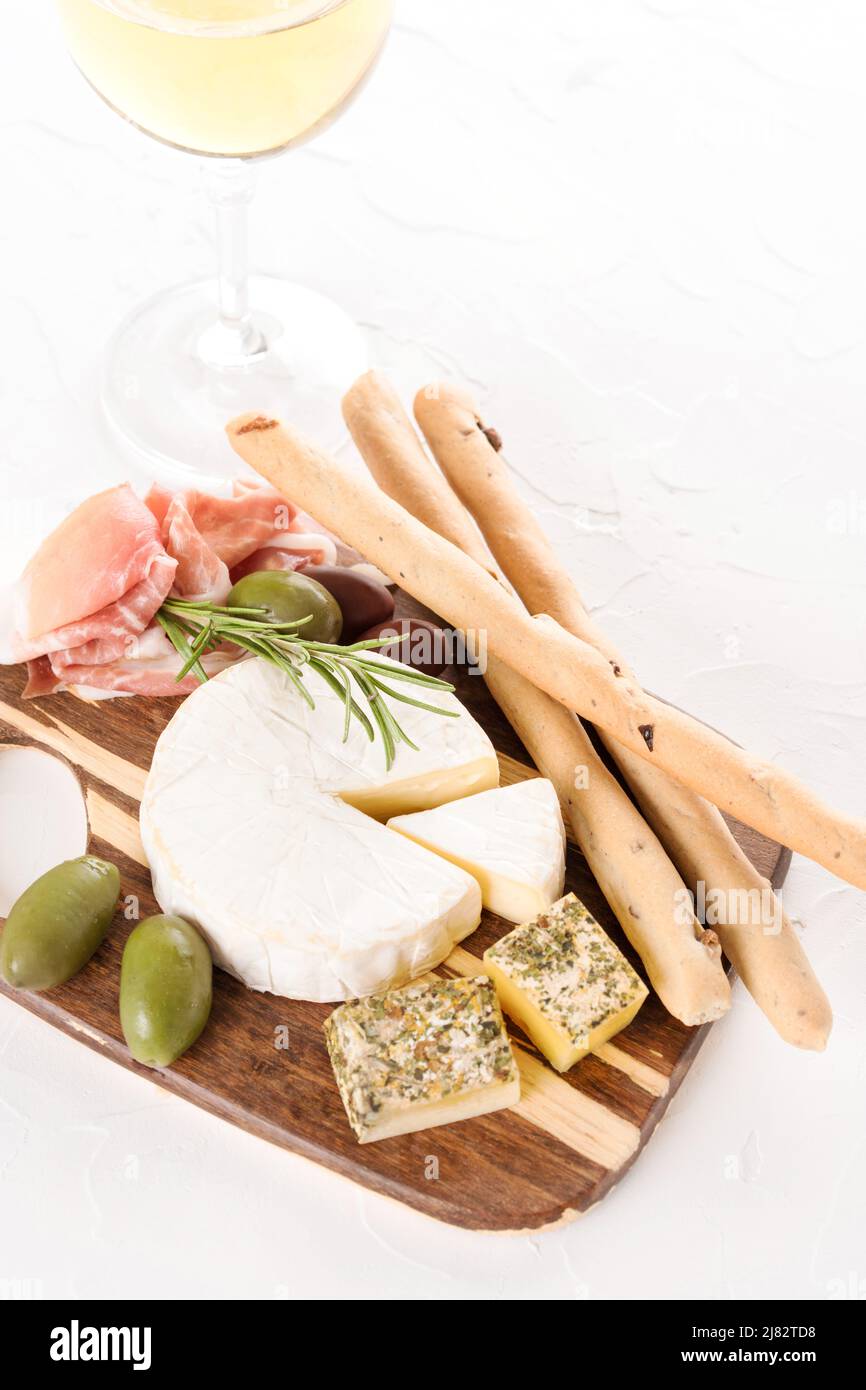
[[247, 828], [510, 839], [564, 981], [429, 1054]]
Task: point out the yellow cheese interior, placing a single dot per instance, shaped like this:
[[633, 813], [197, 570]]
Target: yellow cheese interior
[[427, 1114], [425, 792], [553, 1041]]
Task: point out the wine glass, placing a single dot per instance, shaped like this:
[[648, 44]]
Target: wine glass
[[232, 81]]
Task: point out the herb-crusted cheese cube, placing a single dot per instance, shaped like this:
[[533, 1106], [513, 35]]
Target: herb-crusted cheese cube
[[564, 981], [428, 1054]]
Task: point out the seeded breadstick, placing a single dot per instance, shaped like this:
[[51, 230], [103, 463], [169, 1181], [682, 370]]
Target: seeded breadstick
[[439, 575], [763, 947], [638, 880]]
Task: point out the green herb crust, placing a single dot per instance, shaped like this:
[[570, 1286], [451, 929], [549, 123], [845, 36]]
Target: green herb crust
[[568, 968], [432, 1041]]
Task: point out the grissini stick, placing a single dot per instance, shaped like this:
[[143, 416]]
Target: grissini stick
[[756, 935], [635, 875], [395, 455], [439, 575], [639, 881], [469, 455]]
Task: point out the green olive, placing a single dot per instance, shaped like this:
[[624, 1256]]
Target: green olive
[[58, 922], [287, 595], [165, 989]]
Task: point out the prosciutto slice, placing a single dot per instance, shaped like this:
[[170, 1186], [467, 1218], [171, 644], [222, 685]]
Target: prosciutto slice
[[201, 574], [97, 579], [84, 611], [303, 544], [151, 671], [101, 551], [214, 539], [232, 527], [293, 552], [114, 631]]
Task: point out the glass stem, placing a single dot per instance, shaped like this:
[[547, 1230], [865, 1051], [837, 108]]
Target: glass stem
[[234, 339]]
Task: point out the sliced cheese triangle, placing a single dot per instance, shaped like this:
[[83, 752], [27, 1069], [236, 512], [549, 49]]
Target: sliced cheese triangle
[[247, 828], [511, 839]]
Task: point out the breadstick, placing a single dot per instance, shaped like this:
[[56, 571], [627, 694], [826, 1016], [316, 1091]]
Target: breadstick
[[468, 452], [638, 880], [630, 866], [439, 575], [395, 455], [764, 947]]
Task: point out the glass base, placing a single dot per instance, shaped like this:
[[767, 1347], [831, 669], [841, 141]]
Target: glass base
[[174, 376]]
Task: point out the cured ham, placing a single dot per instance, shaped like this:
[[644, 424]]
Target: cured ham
[[201, 574], [83, 612], [95, 556], [270, 558], [217, 540], [232, 527], [112, 631], [291, 551], [94, 583], [151, 670]]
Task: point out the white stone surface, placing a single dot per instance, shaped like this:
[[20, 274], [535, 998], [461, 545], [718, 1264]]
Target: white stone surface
[[639, 230]]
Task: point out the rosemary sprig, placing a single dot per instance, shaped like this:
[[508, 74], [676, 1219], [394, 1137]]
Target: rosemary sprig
[[194, 629]]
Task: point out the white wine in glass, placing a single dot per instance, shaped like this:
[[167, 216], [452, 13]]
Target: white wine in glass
[[231, 80]]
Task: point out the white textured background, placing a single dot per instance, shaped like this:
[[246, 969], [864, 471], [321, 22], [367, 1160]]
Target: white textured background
[[640, 230]]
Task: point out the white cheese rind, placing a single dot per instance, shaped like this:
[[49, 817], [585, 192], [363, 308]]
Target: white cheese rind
[[511, 839], [297, 892]]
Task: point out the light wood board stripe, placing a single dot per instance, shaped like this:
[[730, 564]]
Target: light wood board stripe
[[550, 1104], [107, 767], [510, 770], [585, 1125], [642, 1075], [462, 962], [112, 824]]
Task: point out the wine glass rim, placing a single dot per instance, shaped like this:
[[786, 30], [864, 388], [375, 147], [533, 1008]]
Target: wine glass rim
[[141, 13]]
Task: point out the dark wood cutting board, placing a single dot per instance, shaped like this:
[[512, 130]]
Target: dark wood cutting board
[[555, 1155]]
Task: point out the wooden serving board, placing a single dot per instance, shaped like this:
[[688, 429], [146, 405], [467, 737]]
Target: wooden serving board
[[557, 1153]]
